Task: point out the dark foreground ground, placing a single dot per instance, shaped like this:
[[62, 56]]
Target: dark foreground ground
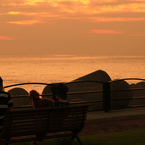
[[113, 126]]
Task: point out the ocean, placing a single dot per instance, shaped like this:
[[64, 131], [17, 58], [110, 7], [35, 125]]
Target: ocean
[[16, 69]]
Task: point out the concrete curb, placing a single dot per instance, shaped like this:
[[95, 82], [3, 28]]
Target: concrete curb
[[122, 114]]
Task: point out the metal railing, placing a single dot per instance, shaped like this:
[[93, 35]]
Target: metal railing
[[105, 91]]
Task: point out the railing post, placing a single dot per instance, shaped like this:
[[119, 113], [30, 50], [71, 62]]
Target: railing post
[[106, 96]]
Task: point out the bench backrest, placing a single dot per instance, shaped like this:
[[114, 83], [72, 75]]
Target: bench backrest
[[44, 120]]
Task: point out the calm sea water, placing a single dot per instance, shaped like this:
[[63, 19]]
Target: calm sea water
[[65, 68]]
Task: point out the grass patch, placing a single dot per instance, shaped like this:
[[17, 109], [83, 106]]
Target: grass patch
[[136, 137]]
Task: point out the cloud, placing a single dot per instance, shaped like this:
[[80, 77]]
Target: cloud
[[21, 13], [27, 22], [104, 32], [7, 38], [30, 12], [94, 8], [38, 14], [115, 19], [74, 9], [83, 6], [138, 34]]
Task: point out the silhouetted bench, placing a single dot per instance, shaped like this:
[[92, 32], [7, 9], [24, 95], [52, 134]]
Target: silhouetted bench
[[44, 123]]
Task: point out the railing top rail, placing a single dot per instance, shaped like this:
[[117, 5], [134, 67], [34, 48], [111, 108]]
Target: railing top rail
[[75, 82], [126, 79], [27, 84], [49, 84]]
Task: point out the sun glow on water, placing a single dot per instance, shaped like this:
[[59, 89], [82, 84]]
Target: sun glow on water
[[66, 68]]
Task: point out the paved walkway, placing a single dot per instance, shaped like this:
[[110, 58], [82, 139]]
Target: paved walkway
[[121, 114]]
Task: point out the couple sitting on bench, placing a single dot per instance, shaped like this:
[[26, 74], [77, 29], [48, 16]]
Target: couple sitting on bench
[[59, 99]]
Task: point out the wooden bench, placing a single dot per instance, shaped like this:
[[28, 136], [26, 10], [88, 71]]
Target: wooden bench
[[44, 123]]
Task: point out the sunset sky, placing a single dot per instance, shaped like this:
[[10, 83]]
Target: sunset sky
[[72, 26]]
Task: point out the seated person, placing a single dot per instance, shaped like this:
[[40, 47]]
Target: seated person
[[59, 95], [39, 103], [6, 104]]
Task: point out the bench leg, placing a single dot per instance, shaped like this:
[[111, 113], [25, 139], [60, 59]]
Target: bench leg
[[78, 139]]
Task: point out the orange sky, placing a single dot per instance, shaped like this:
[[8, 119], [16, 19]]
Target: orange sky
[[72, 26]]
